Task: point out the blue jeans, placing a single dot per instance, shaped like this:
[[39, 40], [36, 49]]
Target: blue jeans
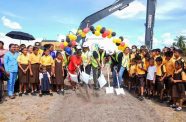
[[114, 78], [11, 83], [121, 71]]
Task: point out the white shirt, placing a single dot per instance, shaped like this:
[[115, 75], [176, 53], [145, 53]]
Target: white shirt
[[151, 71], [41, 75]]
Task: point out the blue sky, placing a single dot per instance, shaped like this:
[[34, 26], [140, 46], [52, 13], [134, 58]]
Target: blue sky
[[52, 18]]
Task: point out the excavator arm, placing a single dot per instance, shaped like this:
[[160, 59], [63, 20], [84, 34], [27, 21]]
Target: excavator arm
[[93, 18]]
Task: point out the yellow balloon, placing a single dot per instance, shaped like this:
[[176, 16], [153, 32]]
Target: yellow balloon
[[98, 28], [118, 41], [114, 41], [110, 30], [74, 38], [80, 32], [97, 33], [65, 43], [110, 36], [70, 36], [83, 35]]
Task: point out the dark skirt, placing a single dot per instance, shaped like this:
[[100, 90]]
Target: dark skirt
[[35, 70], [59, 80], [178, 90], [23, 78]]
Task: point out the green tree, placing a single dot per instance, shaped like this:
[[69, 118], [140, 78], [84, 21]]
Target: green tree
[[180, 42]]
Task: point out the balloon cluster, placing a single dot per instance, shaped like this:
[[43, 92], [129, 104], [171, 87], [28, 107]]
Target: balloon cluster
[[120, 43], [98, 31]]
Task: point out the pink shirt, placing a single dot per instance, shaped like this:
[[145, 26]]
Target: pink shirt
[[2, 53]]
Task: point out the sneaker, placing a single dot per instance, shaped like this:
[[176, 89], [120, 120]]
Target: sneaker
[[40, 95], [141, 98], [178, 109], [12, 97], [33, 94], [20, 94]]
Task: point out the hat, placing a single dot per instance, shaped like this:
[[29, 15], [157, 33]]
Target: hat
[[101, 47], [85, 45], [79, 47], [110, 52]]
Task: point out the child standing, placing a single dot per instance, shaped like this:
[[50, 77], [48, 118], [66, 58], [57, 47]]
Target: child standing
[[160, 76], [23, 63], [132, 73], [151, 76], [141, 74], [34, 70], [45, 81], [59, 73], [178, 89]]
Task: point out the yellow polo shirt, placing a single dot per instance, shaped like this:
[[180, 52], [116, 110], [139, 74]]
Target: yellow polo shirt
[[46, 60], [23, 59], [34, 58]]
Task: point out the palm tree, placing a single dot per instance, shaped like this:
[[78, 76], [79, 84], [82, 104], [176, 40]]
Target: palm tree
[[180, 42]]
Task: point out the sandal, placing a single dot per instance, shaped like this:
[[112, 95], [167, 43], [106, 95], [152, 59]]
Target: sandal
[[51, 94], [40, 94], [178, 109]]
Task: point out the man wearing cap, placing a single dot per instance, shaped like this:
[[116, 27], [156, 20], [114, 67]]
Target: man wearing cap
[[86, 59], [97, 61], [116, 57]]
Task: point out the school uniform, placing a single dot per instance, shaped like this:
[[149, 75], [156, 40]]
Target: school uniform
[[132, 73], [178, 89], [24, 62], [35, 63], [141, 74], [45, 83], [59, 80], [170, 66], [48, 62], [151, 77], [160, 72]]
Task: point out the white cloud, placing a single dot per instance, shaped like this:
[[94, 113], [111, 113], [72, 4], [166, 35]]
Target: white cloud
[[183, 32], [10, 24], [134, 9], [167, 39]]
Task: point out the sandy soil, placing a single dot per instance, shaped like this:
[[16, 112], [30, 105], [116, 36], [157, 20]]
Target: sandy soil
[[78, 107]]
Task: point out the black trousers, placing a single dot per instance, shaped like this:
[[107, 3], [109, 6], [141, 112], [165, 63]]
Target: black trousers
[[1, 89]]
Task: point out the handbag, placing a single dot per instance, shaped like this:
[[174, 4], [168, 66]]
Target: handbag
[[4, 76]]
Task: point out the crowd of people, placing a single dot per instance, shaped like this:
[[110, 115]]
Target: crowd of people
[[145, 73]]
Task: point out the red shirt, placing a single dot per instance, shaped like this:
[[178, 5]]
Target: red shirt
[[74, 60]]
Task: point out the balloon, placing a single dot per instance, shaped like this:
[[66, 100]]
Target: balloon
[[107, 32], [114, 41], [74, 38], [117, 44], [86, 30], [110, 30], [93, 32], [102, 30], [113, 34], [118, 41], [80, 32], [121, 48], [70, 36], [67, 39], [122, 44], [92, 28], [98, 28], [62, 46], [104, 35], [109, 36], [97, 33], [121, 37], [65, 43], [73, 43], [83, 35], [70, 44]]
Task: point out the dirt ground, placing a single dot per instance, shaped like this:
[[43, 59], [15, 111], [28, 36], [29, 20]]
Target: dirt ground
[[78, 107]]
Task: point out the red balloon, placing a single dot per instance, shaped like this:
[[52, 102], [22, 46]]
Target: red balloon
[[86, 30], [122, 44], [107, 32], [62, 46], [73, 43], [104, 35]]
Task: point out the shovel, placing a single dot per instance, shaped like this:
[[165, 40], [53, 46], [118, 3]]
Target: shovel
[[109, 89], [119, 91]]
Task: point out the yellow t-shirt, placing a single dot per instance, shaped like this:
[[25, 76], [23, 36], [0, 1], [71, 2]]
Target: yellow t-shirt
[[170, 66], [34, 58], [139, 69], [132, 69], [40, 52], [22, 59], [46, 60], [159, 70]]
